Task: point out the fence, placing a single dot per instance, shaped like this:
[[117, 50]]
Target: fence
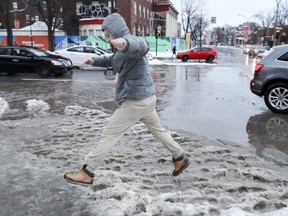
[[164, 44]]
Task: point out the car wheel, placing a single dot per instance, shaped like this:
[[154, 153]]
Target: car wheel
[[210, 58], [185, 58], [276, 98], [44, 71]]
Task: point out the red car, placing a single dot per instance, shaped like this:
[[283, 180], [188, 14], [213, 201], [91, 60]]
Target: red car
[[206, 53]]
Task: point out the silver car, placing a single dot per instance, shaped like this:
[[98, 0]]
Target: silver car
[[271, 79]]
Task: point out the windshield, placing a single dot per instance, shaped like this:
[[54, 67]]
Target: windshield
[[38, 52]]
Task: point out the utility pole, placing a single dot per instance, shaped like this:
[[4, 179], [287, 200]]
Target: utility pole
[[200, 35], [276, 22], [112, 6], [156, 36]]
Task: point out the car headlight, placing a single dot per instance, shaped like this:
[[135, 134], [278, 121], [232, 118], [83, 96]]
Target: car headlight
[[66, 62], [56, 63]]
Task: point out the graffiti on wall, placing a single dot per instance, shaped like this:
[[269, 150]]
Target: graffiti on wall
[[92, 11]]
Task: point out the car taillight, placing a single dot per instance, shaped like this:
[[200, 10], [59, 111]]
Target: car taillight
[[258, 67]]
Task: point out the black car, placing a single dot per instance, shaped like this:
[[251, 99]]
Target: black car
[[271, 79], [25, 59]]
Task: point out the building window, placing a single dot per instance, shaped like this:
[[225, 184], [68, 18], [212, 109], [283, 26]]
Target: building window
[[135, 7], [91, 32], [135, 29], [144, 13], [139, 10], [99, 33]]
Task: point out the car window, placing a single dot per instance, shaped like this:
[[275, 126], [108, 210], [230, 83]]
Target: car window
[[197, 50], [90, 50], [103, 50], [5, 51], [76, 49], [205, 49], [284, 57], [19, 52]]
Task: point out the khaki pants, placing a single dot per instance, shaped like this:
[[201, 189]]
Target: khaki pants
[[121, 121]]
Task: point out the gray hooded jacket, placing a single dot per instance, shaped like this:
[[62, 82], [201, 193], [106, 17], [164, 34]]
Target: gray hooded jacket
[[134, 80]]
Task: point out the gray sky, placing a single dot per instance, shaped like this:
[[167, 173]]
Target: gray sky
[[228, 11]]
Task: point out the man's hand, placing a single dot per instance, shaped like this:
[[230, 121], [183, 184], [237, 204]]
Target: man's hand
[[89, 62], [119, 43]]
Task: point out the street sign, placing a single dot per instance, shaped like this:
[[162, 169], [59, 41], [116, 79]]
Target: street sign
[[213, 20]]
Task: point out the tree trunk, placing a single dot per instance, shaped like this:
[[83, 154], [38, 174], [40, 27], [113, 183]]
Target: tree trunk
[[8, 23], [51, 38]]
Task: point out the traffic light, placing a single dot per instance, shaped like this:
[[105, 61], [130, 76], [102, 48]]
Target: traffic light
[[157, 33]]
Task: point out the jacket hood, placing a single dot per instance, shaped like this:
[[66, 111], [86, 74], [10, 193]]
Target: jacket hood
[[116, 25]]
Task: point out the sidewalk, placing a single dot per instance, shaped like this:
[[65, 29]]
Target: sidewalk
[[162, 55]]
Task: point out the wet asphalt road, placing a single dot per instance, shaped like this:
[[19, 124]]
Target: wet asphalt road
[[208, 100]]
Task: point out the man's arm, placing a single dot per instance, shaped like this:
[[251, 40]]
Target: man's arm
[[133, 46], [99, 61]]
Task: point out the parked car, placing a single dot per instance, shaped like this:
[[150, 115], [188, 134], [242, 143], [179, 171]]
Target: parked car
[[271, 79], [205, 53], [255, 50], [28, 59], [246, 48], [80, 53], [265, 53]]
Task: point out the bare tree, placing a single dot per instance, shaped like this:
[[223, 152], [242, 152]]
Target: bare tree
[[197, 27], [50, 11], [283, 14], [229, 35], [192, 18], [266, 20], [190, 10], [5, 7]]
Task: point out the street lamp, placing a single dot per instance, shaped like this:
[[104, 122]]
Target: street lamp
[[29, 20], [247, 28], [15, 8], [276, 22]]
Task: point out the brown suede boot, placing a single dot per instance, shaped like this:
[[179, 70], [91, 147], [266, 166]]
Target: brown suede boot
[[83, 177], [180, 164]]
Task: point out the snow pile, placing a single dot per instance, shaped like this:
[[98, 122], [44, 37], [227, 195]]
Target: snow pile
[[37, 106], [156, 62], [78, 110], [3, 106], [135, 179]]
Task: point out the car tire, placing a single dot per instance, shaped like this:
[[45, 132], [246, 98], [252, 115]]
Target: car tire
[[210, 59], [276, 98], [185, 58], [44, 71]]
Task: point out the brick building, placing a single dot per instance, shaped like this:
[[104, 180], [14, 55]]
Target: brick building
[[142, 16], [84, 17]]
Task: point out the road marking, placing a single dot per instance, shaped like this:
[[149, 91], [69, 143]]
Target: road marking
[[63, 80]]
